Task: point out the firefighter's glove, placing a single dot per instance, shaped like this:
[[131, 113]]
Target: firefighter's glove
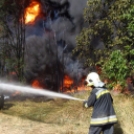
[[85, 105]]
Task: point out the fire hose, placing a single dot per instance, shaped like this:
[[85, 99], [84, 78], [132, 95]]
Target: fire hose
[[29, 90]]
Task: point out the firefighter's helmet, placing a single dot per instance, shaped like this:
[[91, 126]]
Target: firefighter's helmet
[[93, 79]]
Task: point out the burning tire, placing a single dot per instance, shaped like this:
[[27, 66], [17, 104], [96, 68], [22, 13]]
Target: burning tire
[[1, 101]]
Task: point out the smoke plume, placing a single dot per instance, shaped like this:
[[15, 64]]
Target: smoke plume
[[50, 41]]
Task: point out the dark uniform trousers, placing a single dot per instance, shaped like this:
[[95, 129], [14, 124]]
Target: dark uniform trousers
[[106, 129]]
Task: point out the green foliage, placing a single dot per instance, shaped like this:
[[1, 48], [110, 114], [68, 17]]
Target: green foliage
[[128, 39], [116, 67], [111, 23], [128, 16]]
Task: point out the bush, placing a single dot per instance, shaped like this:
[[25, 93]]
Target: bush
[[116, 68]]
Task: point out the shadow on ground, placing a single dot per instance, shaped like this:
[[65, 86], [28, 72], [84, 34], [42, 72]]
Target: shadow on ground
[[118, 129], [7, 106]]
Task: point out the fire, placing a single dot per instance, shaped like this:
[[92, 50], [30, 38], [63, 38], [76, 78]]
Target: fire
[[32, 12], [36, 84], [68, 82], [70, 87]]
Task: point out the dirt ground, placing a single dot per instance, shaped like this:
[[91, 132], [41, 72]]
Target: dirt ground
[[16, 125]]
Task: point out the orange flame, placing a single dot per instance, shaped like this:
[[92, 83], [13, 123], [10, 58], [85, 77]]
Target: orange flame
[[68, 82], [36, 84], [68, 85], [32, 12]]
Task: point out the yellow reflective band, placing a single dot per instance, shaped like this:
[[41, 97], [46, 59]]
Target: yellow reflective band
[[108, 120], [102, 93]]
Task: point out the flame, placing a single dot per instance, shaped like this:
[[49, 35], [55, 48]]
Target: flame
[[70, 87], [36, 84], [68, 82], [32, 12]]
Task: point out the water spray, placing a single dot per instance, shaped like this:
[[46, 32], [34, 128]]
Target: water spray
[[30, 90]]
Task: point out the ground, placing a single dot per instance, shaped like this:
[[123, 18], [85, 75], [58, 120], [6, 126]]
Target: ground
[[59, 116], [16, 125]]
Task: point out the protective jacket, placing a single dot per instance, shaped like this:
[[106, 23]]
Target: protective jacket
[[103, 111]]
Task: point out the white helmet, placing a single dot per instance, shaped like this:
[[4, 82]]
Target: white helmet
[[93, 79]]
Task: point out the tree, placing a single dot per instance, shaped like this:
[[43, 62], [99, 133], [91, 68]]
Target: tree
[[116, 68], [128, 19], [13, 21], [109, 27]]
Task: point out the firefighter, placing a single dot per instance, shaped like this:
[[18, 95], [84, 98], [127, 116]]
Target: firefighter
[[103, 116]]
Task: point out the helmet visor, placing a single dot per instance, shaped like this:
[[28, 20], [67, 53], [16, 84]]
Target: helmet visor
[[89, 82]]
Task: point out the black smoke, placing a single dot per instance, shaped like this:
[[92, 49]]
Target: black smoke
[[50, 41]]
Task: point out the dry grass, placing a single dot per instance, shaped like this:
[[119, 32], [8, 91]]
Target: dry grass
[[124, 106], [60, 116]]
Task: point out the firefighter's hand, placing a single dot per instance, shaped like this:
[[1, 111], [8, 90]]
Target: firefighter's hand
[[85, 105]]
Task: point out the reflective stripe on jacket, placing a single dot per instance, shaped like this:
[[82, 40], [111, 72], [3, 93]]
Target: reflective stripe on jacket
[[103, 120], [103, 110]]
